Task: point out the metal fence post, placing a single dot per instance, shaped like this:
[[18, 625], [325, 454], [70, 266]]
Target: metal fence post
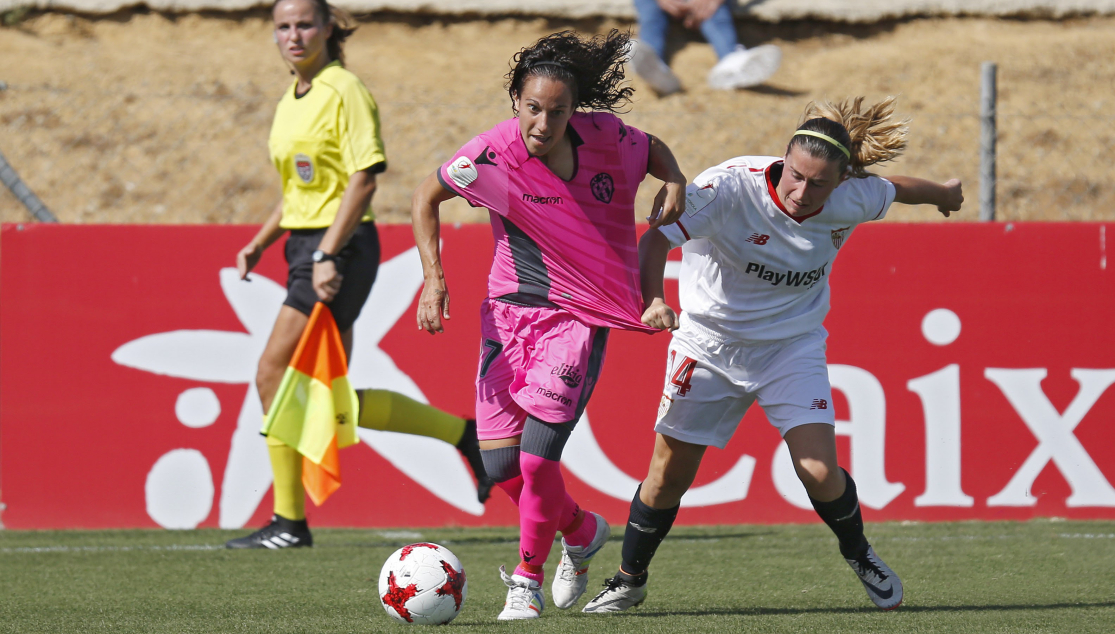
[[23, 193], [988, 135]]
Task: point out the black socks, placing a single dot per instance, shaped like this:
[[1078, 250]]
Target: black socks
[[646, 528], [843, 516]]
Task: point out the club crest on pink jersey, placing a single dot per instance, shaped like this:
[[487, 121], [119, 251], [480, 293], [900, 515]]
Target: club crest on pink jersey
[[602, 187]]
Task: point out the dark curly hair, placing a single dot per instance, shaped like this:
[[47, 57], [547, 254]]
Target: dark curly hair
[[344, 25], [593, 68]]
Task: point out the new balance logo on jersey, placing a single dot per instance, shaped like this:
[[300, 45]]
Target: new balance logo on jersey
[[542, 200], [568, 374], [789, 278], [758, 238], [819, 403]]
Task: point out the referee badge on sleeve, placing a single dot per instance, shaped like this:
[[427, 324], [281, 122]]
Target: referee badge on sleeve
[[305, 167], [462, 171]]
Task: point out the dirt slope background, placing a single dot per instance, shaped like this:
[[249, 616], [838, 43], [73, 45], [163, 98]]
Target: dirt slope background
[[141, 117], [864, 11]]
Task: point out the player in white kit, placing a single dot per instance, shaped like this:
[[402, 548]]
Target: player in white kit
[[759, 236]]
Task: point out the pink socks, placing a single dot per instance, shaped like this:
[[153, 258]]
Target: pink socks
[[513, 487], [581, 530], [535, 493], [540, 506]]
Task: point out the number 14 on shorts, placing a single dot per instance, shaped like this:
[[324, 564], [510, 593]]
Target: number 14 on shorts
[[682, 374]]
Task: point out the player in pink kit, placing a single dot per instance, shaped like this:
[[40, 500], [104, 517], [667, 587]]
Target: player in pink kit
[[559, 181], [759, 236]]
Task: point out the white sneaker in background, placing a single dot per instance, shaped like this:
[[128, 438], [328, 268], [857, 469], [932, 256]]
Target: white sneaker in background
[[524, 598], [651, 68], [745, 67]]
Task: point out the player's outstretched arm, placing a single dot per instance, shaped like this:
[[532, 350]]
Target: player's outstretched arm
[[653, 250], [425, 218], [249, 256], [948, 196], [670, 201]]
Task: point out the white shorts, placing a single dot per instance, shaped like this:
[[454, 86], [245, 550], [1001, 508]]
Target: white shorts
[[710, 383]]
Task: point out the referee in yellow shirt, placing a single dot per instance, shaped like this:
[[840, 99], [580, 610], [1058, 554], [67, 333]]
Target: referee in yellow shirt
[[326, 145]]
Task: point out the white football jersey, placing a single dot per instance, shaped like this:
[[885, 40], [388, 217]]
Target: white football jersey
[[749, 270]]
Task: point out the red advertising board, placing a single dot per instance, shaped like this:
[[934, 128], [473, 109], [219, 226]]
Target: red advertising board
[[972, 367]]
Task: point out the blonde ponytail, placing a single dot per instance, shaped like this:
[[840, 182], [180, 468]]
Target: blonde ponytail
[[871, 135]]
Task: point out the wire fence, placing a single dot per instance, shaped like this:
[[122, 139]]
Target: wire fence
[[200, 155]]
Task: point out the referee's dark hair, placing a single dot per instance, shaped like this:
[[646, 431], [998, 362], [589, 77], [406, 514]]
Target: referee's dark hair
[[593, 68], [343, 23]]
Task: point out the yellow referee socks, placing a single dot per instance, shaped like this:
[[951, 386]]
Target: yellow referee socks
[[391, 411], [286, 465]]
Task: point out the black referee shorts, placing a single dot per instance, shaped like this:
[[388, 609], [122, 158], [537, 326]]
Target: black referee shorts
[[358, 262]]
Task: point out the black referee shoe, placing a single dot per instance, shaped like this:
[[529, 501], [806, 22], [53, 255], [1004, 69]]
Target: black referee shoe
[[469, 446], [280, 533]]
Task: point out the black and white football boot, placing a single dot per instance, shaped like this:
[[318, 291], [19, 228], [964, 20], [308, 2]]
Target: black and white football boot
[[882, 585], [621, 592], [280, 533]]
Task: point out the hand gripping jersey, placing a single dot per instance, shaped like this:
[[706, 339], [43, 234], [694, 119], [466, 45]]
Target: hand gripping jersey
[[570, 243], [750, 271]]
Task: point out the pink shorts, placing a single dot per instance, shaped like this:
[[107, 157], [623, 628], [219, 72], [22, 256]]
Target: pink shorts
[[534, 361]]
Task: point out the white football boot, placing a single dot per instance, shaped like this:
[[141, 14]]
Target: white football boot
[[745, 67], [524, 598], [572, 572], [651, 68], [618, 595], [882, 585]]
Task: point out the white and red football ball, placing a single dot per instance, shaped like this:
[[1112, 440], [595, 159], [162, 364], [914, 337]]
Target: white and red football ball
[[423, 583]]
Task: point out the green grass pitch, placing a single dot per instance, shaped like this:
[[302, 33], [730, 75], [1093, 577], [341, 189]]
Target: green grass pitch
[[1039, 576]]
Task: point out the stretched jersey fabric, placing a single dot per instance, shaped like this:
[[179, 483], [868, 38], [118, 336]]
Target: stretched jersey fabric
[[320, 139], [752, 272], [570, 244]]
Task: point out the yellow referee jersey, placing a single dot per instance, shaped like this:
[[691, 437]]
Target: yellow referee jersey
[[320, 139]]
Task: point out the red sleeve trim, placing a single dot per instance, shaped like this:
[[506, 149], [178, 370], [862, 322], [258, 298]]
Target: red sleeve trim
[[683, 231]]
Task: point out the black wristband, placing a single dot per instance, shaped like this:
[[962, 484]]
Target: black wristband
[[322, 256]]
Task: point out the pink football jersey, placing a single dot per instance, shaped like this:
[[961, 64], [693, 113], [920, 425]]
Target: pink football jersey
[[569, 242]]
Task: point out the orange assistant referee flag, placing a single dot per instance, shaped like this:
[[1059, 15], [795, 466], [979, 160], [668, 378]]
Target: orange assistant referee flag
[[315, 410]]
